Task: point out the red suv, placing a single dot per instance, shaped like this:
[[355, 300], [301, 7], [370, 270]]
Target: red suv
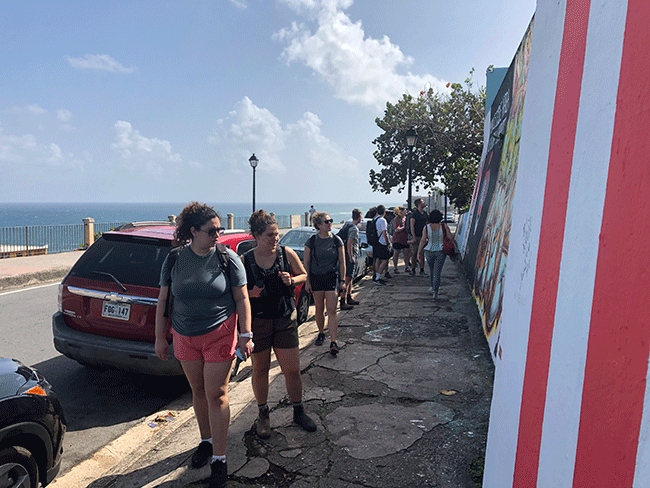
[[107, 302]]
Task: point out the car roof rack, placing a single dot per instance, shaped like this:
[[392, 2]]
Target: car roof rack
[[148, 223]]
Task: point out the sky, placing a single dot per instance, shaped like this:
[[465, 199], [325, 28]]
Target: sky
[[143, 101]]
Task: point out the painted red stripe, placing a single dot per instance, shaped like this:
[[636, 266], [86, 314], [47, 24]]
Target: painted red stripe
[[619, 337], [565, 115]]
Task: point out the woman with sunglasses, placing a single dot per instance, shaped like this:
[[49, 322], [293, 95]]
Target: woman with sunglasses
[[209, 293], [272, 273], [324, 261]]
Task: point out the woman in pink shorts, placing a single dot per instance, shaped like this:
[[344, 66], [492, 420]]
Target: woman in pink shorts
[[208, 296]]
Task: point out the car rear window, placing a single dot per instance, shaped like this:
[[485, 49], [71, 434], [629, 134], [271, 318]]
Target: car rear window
[[134, 262], [296, 238]]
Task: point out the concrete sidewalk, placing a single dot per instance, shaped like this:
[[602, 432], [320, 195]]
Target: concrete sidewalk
[[405, 404]]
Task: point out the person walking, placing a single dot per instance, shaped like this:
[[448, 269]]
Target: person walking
[[324, 262], [208, 285], [272, 272], [380, 251], [431, 244], [400, 239], [349, 235], [312, 211], [418, 221]]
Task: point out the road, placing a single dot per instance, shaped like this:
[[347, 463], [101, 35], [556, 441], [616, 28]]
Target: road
[[99, 405]]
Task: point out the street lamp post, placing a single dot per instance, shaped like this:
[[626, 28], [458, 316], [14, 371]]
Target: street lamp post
[[253, 160], [411, 138]]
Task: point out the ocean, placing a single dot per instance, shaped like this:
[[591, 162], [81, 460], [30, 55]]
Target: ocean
[[28, 214]]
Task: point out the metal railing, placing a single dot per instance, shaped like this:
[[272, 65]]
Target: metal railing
[[32, 240]]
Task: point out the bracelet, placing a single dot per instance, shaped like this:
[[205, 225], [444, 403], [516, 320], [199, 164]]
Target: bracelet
[[247, 334]]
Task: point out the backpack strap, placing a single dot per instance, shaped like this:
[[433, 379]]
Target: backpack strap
[[171, 259]]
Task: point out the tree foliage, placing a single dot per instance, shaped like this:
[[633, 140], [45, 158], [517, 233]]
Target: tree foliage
[[449, 145]]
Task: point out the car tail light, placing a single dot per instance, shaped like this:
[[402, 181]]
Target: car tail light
[[60, 297]]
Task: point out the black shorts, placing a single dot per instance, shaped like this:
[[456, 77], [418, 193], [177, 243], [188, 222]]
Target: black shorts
[[380, 252], [397, 245], [281, 333], [349, 268], [326, 282]]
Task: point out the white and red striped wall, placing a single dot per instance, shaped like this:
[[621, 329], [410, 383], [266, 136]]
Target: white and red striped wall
[[571, 403]]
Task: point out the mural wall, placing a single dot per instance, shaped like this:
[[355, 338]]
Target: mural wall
[[571, 400], [484, 231]]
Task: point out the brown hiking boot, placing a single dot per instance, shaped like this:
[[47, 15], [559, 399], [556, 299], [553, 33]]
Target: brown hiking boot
[[263, 425], [352, 301], [344, 306]]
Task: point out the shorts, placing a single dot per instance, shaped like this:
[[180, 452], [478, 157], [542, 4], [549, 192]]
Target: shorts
[[280, 333], [349, 268], [216, 346], [416, 244], [326, 282], [380, 252], [399, 245]]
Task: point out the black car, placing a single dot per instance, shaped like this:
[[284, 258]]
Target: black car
[[32, 426]]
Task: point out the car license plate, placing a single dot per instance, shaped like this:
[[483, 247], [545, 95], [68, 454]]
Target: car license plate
[[116, 311]]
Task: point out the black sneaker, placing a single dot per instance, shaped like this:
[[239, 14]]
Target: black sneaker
[[423, 273], [302, 419], [320, 339], [202, 454], [334, 348], [387, 275], [412, 272], [352, 301], [380, 282], [218, 474]]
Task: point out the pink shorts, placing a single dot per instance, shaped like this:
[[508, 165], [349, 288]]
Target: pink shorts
[[217, 346]]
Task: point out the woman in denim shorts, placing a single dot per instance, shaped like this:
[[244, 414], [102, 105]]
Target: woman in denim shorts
[[272, 272]]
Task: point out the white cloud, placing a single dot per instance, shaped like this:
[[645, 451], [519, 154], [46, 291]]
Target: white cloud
[[239, 3], [27, 151], [64, 115], [36, 109], [102, 62], [150, 156], [361, 70], [250, 129]]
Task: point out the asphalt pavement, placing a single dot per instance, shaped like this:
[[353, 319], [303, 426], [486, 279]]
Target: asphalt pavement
[[405, 404]]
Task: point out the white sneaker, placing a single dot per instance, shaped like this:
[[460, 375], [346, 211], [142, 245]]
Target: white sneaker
[[430, 290]]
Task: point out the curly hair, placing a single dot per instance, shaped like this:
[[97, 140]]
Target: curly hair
[[259, 221], [318, 218], [194, 215], [397, 211]]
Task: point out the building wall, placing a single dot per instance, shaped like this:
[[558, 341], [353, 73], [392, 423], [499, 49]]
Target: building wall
[[571, 402]]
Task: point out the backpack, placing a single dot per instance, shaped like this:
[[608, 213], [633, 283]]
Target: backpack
[[224, 264], [371, 232], [344, 232]]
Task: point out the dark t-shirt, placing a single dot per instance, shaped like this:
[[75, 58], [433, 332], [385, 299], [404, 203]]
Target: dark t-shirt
[[420, 221], [324, 254], [202, 293], [276, 299]]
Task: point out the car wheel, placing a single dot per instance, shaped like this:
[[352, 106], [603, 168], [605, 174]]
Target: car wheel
[[302, 307], [18, 468]]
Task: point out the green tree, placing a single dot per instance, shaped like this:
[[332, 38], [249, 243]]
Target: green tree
[[449, 146]]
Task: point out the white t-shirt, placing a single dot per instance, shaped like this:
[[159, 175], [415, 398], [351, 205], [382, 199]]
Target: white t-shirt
[[381, 227]]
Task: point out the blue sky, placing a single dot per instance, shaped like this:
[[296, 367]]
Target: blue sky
[[143, 101]]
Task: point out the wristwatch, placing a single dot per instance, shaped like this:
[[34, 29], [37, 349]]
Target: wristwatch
[[292, 281]]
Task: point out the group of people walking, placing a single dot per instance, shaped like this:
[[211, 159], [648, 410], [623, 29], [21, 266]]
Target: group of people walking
[[222, 305], [418, 236]]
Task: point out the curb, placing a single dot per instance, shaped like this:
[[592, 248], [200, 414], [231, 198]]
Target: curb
[[34, 278]]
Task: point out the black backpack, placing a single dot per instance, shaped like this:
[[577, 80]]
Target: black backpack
[[224, 264], [371, 232], [344, 232]]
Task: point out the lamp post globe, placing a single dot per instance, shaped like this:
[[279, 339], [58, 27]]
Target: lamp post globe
[[253, 162], [411, 138]]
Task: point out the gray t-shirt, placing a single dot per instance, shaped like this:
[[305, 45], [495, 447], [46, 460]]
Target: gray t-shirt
[[202, 293], [324, 254]]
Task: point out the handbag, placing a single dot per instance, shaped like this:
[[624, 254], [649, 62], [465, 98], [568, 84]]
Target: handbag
[[448, 246]]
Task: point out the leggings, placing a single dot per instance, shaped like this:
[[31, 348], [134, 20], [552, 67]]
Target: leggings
[[435, 259]]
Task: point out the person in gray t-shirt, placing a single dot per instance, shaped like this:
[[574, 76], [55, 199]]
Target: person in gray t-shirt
[[208, 287], [324, 262]]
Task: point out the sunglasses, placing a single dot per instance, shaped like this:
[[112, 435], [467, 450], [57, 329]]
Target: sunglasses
[[328, 221], [214, 231]]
